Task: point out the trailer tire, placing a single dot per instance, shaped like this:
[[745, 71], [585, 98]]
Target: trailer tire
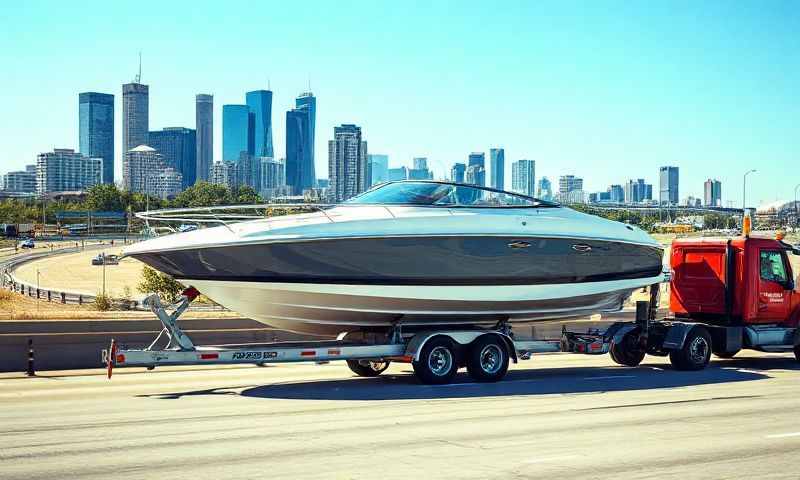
[[487, 359], [628, 352], [437, 363], [695, 353], [368, 368], [797, 352]]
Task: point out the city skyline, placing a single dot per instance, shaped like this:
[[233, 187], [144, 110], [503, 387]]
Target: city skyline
[[655, 88]]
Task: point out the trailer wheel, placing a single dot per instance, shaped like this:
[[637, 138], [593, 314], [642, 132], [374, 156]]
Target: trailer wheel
[[487, 359], [628, 352], [797, 352], [695, 353], [367, 368], [437, 362]]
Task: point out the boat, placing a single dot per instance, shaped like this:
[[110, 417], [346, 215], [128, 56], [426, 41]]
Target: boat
[[408, 253]]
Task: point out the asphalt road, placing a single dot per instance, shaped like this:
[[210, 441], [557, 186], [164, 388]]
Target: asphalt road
[[556, 416]]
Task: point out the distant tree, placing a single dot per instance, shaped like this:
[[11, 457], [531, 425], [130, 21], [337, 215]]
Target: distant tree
[[203, 194], [165, 286], [104, 197], [244, 195]]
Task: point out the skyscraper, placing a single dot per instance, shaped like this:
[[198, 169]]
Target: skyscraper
[[204, 125], [378, 168], [420, 170], [497, 159], [395, 174], [178, 146], [224, 173], [238, 137], [420, 163], [140, 166], [475, 175], [135, 115], [523, 177], [457, 172], [309, 101], [570, 189], [712, 190], [544, 190], [96, 129], [300, 172], [260, 104], [668, 183], [477, 158], [64, 169], [347, 163]]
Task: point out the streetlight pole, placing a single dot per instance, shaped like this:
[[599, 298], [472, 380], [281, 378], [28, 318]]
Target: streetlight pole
[[796, 217], [104, 275], [744, 191]]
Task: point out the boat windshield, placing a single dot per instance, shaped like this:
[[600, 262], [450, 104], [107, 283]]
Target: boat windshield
[[445, 195]]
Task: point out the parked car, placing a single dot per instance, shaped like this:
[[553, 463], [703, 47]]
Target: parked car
[[103, 259], [27, 243]]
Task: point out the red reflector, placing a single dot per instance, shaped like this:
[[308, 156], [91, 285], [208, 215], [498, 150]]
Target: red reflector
[[596, 346], [308, 353], [334, 352], [120, 358], [209, 356]]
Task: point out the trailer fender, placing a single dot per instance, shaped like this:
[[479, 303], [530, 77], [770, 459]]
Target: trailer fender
[[461, 337], [617, 331], [676, 335]]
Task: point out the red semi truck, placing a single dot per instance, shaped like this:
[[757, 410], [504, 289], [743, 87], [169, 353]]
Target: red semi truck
[[725, 295]]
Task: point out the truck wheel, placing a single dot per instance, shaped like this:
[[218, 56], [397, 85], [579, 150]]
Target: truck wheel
[[487, 359], [797, 352], [696, 351], [628, 352], [367, 368], [726, 354], [437, 362]]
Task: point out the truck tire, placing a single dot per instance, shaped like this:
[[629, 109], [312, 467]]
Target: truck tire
[[367, 368], [695, 353], [797, 352], [487, 359], [628, 352], [437, 362]]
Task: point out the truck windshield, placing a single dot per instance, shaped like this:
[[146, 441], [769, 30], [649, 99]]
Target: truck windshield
[[445, 195], [772, 268]]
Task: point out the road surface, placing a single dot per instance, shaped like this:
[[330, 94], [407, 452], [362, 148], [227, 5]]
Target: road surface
[[556, 416]]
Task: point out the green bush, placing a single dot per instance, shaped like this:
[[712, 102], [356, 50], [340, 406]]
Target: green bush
[[156, 282], [102, 302]]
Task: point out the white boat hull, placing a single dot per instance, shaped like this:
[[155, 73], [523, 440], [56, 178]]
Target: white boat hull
[[330, 309]]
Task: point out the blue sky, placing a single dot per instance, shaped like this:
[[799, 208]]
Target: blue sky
[[601, 89]]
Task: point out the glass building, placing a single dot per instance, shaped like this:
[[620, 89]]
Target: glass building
[[178, 146], [237, 132], [308, 100], [497, 159], [96, 129], [347, 163], [204, 125], [478, 159], [135, 115], [668, 185], [260, 104], [457, 172], [300, 173], [523, 177], [378, 168]]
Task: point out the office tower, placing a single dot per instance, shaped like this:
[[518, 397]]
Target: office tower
[[204, 125], [238, 139], [545, 189], [636, 191], [497, 160], [135, 115], [475, 175], [300, 172], [224, 173], [668, 182], [378, 168], [569, 183], [477, 158], [309, 101], [166, 183], [523, 177], [616, 194], [420, 170], [23, 181], [139, 166], [178, 146], [260, 104], [65, 170], [347, 163], [712, 190], [397, 174], [96, 129], [457, 172], [273, 177]]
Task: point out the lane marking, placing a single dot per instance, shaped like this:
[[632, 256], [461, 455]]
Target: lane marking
[[609, 377], [784, 435]]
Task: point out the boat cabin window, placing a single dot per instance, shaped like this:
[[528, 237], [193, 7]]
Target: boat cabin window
[[445, 195]]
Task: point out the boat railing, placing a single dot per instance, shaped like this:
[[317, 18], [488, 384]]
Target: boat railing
[[228, 215]]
